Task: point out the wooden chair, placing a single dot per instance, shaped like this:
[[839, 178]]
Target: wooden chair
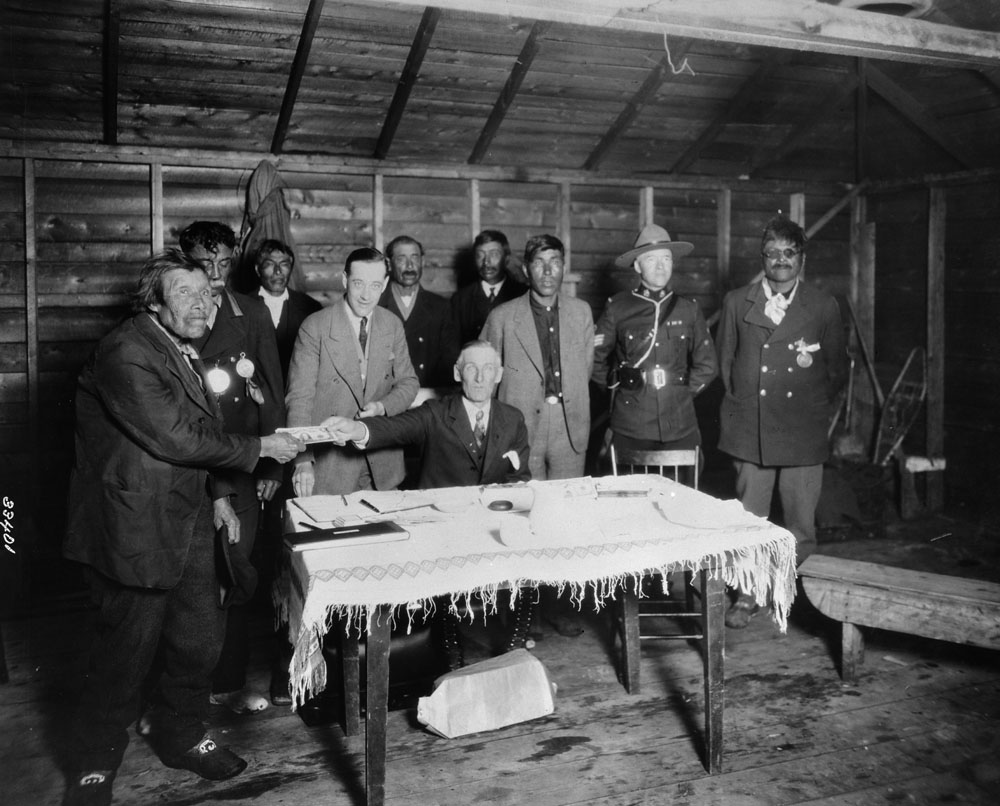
[[643, 618]]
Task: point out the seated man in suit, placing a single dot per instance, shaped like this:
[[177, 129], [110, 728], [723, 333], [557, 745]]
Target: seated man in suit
[[464, 440]]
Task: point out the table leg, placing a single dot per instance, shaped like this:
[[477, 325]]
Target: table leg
[[713, 595], [351, 681], [377, 669]]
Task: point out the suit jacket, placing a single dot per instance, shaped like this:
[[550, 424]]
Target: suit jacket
[[293, 313], [511, 329], [243, 329], [146, 436], [779, 396], [470, 307], [325, 379], [430, 336], [449, 456]]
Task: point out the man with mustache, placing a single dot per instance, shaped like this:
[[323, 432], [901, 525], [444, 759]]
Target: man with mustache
[[430, 330]]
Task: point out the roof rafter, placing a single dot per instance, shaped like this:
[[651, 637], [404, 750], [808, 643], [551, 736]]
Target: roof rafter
[[309, 26], [509, 92], [411, 72], [643, 95], [739, 101], [826, 107], [789, 24], [112, 41], [913, 111]]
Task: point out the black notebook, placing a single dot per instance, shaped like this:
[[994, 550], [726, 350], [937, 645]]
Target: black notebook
[[323, 538]]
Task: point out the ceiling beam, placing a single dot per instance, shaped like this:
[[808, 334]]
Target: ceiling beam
[[635, 104], [411, 72], [791, 24], [915, 112], [309, 26], [112, 41], [736, 105], [826, 107], [509, 92]]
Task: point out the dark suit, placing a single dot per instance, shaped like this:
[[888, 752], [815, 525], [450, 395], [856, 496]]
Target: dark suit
[[140, 518], [243, 330], [431, 336], [441, 430], [470, 306], [293, 313]]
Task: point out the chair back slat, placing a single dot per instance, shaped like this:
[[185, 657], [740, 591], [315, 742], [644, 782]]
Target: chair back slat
[[660, 460]]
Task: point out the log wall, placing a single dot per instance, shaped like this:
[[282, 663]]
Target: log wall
[[94, 222]]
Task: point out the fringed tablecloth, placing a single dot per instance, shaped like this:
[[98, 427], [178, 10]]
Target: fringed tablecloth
[[587, 535]]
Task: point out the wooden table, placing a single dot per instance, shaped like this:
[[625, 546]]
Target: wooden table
[[589, 534]]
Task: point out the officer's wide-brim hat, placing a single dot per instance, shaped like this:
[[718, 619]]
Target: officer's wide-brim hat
[[652, 237]]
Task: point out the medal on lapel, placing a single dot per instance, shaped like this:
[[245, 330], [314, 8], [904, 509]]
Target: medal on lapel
[[218, 380], [245, 367], [804, 358]]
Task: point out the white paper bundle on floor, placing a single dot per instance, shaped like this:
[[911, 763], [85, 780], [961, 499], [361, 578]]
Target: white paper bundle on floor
[[505, 690]]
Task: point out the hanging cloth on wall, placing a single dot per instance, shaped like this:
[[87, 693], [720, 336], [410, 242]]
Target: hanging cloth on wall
[[265, 216]]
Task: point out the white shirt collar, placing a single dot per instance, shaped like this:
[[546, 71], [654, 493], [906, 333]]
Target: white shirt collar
[[487, 287]]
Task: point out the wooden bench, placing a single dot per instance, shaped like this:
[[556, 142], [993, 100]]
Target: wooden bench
[[861, 594]]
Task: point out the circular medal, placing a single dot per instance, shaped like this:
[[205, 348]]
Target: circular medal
[[244, 367], [218, 380], [804, 360]]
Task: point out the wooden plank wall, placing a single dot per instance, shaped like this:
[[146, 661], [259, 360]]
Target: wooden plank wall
[[94, 224]]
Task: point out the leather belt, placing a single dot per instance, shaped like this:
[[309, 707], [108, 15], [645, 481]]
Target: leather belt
[[552, 399]]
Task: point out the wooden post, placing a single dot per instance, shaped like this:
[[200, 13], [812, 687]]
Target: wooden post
[[31, 327], [155, 207], [797, 208], [377, 702], [565, 234], [378, 211], [937, 213], [647, 206], [475, 214], [723, 240], [862, 296]]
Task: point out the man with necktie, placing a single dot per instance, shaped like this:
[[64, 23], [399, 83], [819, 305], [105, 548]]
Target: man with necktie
[[471, 304], [782, 360], [350, 360]]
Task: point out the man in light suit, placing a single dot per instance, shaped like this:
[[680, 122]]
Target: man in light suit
[[782, 360], [143, 510], [351, 360], [546, 343], [240, 354], [288, 308], [430, 331], [471, 304]]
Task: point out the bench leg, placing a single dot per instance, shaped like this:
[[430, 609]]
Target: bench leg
[[852, 651], [713, 599], [630, 640], [351, 677]]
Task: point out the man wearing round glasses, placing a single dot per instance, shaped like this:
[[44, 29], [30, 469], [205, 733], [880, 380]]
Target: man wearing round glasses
[[782, 361]]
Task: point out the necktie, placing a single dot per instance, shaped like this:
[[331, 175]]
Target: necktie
[[479, 432], [193, 360], [774, 308], [493, 295], [363, 333]]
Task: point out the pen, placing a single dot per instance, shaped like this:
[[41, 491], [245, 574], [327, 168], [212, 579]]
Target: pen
[[372, 507], [298, 506], [309, 525]]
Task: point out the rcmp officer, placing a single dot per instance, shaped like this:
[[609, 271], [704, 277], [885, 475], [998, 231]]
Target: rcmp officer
[[652, 349], [240, 355], [782, 360]]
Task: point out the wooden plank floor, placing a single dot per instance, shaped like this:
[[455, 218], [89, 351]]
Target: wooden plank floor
[[919, 727]]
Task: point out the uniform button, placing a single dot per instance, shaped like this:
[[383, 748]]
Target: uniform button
[[766, 346], [557, 374], [420, 339], [421, 366], [790, 369], [763, 369], [789, 394], [763, 392], [657, 344]]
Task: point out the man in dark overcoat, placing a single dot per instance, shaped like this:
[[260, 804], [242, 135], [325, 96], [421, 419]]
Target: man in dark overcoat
[[240, 355], [782, 360], [142, 519], [431, 336]]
